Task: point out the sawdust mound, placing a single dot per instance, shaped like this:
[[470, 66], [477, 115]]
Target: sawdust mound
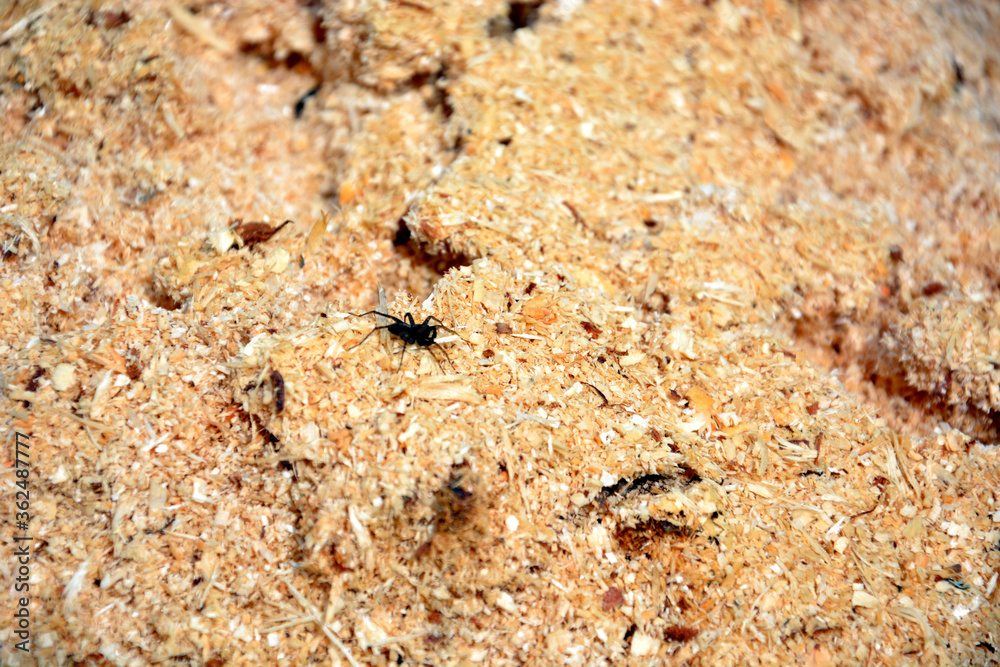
[[715, 313]]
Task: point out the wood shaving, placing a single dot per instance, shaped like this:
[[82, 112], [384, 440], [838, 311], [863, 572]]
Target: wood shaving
[[721, 301]]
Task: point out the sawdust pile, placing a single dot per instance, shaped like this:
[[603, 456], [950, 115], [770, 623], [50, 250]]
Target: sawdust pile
[[717, 379]]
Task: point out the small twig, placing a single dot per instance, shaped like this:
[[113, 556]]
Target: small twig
[[252, 233], [874, 507], [576, 214], [599, 393], [313, 613], [413, 5]]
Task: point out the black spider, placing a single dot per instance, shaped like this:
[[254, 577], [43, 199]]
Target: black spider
[[411, 332]]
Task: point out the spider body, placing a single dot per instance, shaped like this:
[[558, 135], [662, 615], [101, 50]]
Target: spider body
[[423, 334], [411, 333]]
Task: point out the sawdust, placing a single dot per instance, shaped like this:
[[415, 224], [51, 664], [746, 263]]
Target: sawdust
[[721, 385]]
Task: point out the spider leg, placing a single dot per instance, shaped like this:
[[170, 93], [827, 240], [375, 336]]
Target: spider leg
[[377, 328], [378, 312], [441, 325], [367, 336], [434, 356], [445, 356], [402, 352]]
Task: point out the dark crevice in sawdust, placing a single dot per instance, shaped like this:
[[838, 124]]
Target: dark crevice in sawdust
[[871, 371], [266, 53], [520, 14], [267, 50], [685, 477], [643, 538], [425, 263], [433, 86], [459, 504], [159, 298], [639, 538]]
